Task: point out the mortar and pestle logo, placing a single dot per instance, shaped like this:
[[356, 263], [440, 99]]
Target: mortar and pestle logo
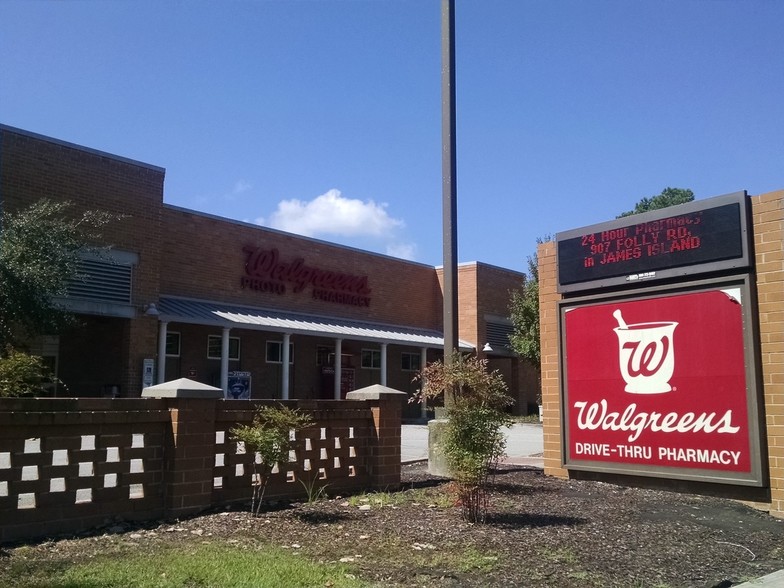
[[646, 355]]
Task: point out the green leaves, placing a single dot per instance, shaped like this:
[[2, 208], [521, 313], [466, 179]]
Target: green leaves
[[467, 378], [22, 374], [473, 441], [269, 437], [524, 313], [668, 197], [40, 248]]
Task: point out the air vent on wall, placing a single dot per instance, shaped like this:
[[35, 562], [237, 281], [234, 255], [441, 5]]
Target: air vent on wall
[[102, 280], [497, 334]]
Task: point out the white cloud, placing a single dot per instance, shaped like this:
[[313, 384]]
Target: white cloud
[[333, 214], [241, 186], [402, 250]]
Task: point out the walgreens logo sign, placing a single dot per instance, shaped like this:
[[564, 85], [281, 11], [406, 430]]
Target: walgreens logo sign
[[658, 382]]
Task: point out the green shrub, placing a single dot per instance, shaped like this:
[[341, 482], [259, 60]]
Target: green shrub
[[268, 438], [22, 374], [473, 440]]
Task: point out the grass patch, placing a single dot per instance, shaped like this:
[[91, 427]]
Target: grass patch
[[532, 419], [192, 566], [460, 560], [426, 496]]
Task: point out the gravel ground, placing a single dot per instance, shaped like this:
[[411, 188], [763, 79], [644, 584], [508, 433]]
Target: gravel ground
[[540, 532]]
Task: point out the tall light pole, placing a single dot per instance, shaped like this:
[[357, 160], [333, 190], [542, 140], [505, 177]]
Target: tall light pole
[[449, 180]]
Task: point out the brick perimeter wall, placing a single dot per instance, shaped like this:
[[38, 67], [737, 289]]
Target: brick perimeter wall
[[69, 465]]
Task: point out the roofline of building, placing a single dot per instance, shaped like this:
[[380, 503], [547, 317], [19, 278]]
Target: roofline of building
[[18, 131], [506, 270], [226, 219], [69, 145]]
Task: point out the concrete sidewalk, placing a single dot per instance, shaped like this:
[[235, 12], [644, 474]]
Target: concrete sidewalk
[[524, 444]]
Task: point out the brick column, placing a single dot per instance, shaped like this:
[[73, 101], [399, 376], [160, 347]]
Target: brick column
[[190, 456], [386, 405], [189, 452], [768, 215], [548, 325]]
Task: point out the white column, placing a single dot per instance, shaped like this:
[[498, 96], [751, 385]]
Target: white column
[[338, 366], [384, 364], [422, 364], [162, 328], [224, 376], [284, 385]]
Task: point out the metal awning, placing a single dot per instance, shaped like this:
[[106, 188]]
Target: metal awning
[[219, 314]]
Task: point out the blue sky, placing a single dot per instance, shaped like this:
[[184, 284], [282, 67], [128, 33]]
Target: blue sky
[[324, 117]]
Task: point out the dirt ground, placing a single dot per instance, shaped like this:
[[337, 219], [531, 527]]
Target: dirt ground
[[540, 532]]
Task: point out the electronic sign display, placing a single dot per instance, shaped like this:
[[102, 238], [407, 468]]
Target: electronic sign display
[[702, 236]]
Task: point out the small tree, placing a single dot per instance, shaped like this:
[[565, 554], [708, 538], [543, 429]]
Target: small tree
[[473, 440], [268, 438], [524, 313]]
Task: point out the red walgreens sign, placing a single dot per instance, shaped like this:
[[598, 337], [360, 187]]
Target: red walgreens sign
[[657, 386]]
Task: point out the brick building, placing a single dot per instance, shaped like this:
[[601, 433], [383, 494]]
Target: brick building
[[253, 310]]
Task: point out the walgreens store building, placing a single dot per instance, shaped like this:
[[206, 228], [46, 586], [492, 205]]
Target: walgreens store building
[[257, 312]]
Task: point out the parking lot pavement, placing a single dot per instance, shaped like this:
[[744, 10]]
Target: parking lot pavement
[[524, 444]]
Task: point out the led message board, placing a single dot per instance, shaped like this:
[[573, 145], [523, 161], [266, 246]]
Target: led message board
[[702, 236], [662, 385]]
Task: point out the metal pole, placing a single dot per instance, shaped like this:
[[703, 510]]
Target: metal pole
[[449, 179]]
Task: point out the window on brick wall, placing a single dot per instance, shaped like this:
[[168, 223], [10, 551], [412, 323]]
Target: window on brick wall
[[275, 352], [410, 362], [173, 344], [214, 347], [371, 359]]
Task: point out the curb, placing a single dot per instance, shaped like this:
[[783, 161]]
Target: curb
[[774, 580]]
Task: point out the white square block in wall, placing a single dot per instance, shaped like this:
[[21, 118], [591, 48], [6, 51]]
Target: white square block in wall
[[57, 485], [32, 445], [29, 473], [60, 457], [84, 495], [26, 500]]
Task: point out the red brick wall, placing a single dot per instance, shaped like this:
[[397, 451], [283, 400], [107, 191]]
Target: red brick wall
[[34, 167], [204, 259], [768, 214]]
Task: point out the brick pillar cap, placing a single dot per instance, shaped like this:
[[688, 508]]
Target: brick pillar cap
[[374, 392], [182, 388]]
